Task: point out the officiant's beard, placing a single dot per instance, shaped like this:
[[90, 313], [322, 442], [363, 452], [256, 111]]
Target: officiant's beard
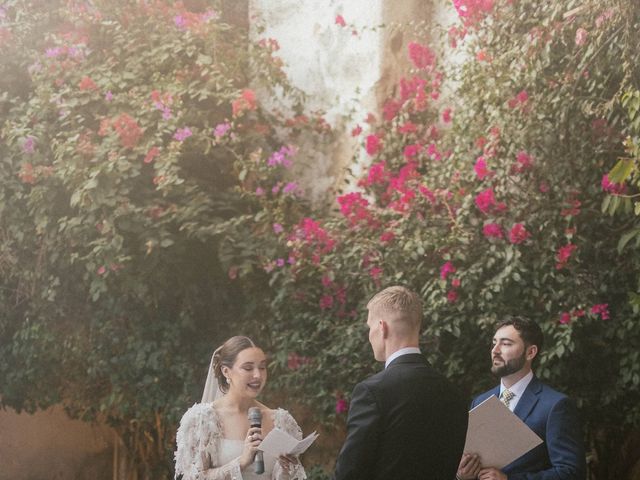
[[512, 365]]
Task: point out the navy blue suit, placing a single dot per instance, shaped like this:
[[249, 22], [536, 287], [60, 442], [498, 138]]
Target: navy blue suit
[[554, 418], [406, 422]]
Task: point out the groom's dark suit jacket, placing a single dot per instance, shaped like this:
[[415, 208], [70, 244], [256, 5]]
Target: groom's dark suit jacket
[[406, 422], [554, 418]]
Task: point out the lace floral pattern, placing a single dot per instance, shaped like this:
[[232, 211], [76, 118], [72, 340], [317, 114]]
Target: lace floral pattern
[[198, 441]]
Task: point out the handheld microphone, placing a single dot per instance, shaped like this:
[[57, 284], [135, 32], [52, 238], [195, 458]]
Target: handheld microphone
[[255, 420]]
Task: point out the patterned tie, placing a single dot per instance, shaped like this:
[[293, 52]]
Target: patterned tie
[[506, 396]]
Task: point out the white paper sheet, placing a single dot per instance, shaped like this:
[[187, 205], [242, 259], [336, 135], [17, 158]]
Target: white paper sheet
[[278, 442], [497, 435]]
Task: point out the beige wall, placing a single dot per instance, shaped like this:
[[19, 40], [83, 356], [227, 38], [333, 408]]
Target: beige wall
[[48, 445]]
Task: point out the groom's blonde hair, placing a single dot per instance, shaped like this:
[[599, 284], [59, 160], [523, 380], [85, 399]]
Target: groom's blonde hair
[[398, 305]]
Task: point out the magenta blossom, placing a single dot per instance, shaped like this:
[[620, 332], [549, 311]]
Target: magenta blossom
[[518, 234], [565, 318], [492, 230], [283, 156], [609, 187], [29, 145], [221, 129], [182, 134], [485, 200], [277, 228], [601, 309], [446, 269], [341, 406], [481, 168]]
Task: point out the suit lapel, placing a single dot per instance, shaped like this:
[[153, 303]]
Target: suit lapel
[[529, 399]]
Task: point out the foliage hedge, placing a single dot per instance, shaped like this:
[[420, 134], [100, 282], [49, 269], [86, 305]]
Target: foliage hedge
[[149, 209]]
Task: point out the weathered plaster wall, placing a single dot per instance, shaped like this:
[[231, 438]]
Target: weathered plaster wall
[[346, 71], [48, 445]]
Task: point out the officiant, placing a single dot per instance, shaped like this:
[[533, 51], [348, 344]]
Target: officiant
[[517, 344]]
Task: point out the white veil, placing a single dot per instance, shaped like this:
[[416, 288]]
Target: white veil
[[211, 388]]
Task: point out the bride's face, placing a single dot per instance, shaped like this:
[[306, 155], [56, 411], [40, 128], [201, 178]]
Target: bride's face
[[248, 375]]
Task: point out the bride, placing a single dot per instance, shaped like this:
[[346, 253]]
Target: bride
[[215, 440]]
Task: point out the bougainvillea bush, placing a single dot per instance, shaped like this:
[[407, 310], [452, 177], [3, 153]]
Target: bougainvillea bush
[[483, 191], [123, 126]]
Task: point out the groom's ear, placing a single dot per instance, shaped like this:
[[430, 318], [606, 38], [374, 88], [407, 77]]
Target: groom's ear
[[384, 326]]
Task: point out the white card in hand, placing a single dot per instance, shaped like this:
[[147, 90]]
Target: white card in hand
[[278, 442]]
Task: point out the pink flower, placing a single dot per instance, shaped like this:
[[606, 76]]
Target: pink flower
[[412, 150], [543, 187], [446, 269], [492, 230], [373, 144], [428, 194], [259, 191], [87, 84], [375, 272], [356, 131], [108, 96], [455, 283], [354, 207], [341, 406], [522, 96], [280, 262], [452, 296], [524, 161], [291, 187], [565, 318], [102, 270], [480, 168], [391, 109], [277, 228], [563, 255], [340, 21], [518, 234], [581, 36], [421, 56], [29, 145], [601, 309], [233, 272], [407, 127], [283, 156], [221, 129], [326, 302], [151, 154], [182, 134], [614, 188], [485, 200], [387, 237], [377, 174], [446, 115]]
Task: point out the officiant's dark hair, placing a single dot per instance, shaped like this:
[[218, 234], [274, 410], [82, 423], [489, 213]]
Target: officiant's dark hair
[[225, 356], [529, 331]]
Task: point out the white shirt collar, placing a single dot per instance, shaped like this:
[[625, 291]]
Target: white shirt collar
[[517, 389], [402, 351]]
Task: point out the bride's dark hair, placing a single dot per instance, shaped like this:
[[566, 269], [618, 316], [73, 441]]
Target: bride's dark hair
[[226, 354]]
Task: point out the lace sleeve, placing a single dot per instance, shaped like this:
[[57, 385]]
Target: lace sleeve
[[197, 441], [285, 421]]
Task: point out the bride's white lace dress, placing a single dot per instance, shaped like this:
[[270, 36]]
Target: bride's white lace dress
[[203, 454]]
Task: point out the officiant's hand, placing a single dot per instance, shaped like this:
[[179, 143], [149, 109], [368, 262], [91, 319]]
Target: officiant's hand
[[251, 443], [491, 474], [469, 467], [287, 462]]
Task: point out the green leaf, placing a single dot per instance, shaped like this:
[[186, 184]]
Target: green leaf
[[621, 171]]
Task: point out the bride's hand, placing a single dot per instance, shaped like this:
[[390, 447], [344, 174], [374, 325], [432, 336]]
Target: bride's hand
[[251, 443]]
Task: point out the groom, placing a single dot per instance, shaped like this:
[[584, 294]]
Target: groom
[[407, 421]]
